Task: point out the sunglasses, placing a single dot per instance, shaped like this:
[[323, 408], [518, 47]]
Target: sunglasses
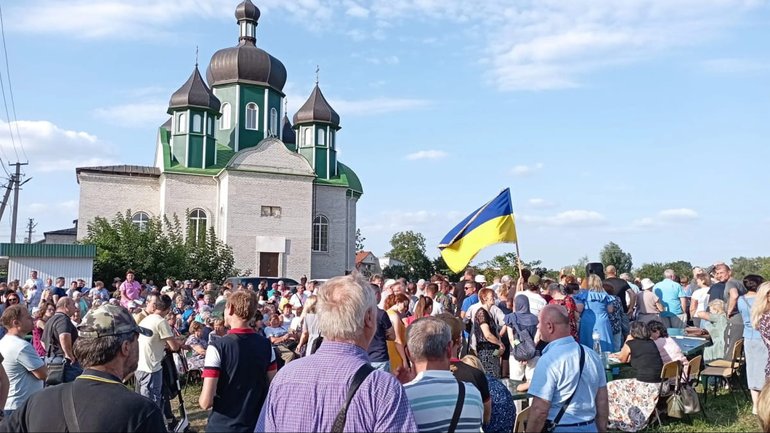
[[13, 299]]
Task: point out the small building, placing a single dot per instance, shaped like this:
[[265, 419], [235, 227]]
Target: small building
[[387, 262], [50, 260], [367, 263], [63, 236]]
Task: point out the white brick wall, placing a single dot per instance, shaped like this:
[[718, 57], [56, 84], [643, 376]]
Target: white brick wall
[[106, 195], [187, 192], [331, 202]]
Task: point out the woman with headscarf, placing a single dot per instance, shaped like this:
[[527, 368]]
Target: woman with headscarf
[[526, 322]]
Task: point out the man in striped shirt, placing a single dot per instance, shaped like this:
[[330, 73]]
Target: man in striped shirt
[[434, 392]]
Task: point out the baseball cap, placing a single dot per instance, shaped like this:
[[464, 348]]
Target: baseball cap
[[481, 278], [107, 320]]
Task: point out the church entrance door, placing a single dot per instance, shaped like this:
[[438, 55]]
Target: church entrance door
[[268, 265]]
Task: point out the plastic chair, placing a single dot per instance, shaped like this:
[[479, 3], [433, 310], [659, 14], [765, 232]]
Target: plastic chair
[[521, 421], [692, 375], [727, 371], [670, 373]]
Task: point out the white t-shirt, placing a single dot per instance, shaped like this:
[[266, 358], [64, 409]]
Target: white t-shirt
[[702, 296], [152, 349], [298, 300], [19, 360], [536, 302]]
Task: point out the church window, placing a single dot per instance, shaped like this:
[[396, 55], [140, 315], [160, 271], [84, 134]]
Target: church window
[[307, 136], [197, 123], [196, 224], [271, 211], [140, 220], [210, 129], [321, 137], [181, 123], [273, 122], [224, 121], [331, 138], [321, 234], [252, 116]]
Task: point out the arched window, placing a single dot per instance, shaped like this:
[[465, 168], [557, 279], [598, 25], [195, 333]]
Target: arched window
[[210, 129], [197, 123], [252, 116], [140, 220], [307, 136], [331, 139], [321, 138], [273, 122], [321, 234], [196, 224], [224, 121], [181, 123]]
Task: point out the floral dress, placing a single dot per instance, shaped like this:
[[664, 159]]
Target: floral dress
[[503, 409], [571, 307], [195, 361], [487, 352], [764, 330]]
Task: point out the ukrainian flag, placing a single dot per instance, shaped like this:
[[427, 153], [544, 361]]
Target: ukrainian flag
[[490, 224]]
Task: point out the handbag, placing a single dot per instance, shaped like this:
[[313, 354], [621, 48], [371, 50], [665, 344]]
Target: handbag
[[549, 426], [55, 364], [683, 402]]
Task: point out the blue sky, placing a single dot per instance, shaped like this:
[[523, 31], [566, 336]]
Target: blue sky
[[643, 122]]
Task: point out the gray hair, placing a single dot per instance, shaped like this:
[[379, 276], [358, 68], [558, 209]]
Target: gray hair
[[342, 304], [428, 339], [669, 273]]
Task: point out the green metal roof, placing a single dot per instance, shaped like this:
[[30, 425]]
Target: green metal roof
[[48, 250]]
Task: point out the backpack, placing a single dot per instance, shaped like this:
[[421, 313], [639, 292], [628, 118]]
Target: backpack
[[525, 349]]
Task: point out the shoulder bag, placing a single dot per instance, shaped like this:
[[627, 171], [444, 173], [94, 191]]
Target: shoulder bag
[[361, 374], [549, 425], [54, 363], [458, 406]]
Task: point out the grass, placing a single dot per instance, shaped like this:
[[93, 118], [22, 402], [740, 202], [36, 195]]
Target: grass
[[722, 412]]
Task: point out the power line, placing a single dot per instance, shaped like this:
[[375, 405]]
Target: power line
[[10, 87]]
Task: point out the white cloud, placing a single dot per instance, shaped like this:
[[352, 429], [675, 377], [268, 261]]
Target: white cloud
[[374, 106], [426, 154], [681, 214], [52, 148], [139, 114], [569, 218], [356, 10], [526, 170], [732, 65], [540, 203]]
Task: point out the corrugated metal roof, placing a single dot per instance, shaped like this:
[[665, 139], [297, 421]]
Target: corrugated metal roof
[[47, 250], [127, 170]]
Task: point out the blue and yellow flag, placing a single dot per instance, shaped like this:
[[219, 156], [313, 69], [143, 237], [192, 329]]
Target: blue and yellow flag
[[490, 224]]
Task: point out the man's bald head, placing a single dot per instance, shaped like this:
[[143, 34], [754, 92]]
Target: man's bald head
[[554, 322], [610, 271]]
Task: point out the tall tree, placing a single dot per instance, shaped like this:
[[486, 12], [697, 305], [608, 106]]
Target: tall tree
[[409, 248], [654, 271], [612, 254], [742, 266]]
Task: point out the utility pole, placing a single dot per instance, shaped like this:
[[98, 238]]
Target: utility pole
[[17, 184], [30, 229]]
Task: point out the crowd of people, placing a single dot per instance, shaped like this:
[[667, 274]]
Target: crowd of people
[[357, 355]]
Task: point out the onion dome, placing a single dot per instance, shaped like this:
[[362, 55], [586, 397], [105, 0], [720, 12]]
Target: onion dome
[[247, 11], [288, 137], [245, 63], [317, 109], [194, 93]]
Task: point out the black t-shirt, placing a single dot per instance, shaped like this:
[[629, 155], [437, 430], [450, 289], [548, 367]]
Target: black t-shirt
[[619, 288], [378, 348], [646, 360], [59, 291], [60, 323], [466, 373], [717, 291], [102, 403]]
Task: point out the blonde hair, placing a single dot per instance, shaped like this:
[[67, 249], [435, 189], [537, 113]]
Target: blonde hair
[[761, 304], [309, 305], [473, 362], [595, 283], [717, 304]]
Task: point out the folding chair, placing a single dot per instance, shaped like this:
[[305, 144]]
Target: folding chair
[[670, 373], [521, 421], [692, 378], [728, 371]]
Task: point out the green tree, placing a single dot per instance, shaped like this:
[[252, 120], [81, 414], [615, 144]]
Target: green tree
[[359, 240], [440, 267], [612, 254], [742, 266], [506, 264], [654, 271], [409, 248], [157, 251]]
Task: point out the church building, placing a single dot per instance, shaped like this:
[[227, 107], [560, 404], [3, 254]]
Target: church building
[[275, 192]]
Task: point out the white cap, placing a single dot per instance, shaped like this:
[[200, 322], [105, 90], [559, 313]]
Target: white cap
[[480, 278], [388, 283], [647, 284]]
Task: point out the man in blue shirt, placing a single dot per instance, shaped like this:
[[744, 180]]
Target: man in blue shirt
[[672, 297], [558, 376]]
